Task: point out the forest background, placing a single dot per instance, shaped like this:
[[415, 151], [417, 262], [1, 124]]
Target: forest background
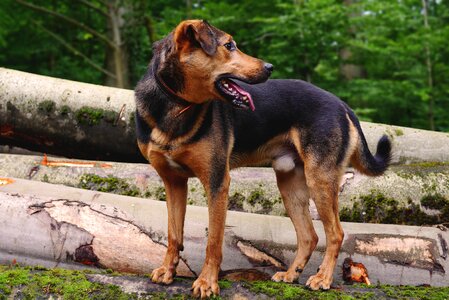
[[388, 59]]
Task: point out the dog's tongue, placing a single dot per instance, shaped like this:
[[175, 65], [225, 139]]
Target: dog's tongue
[[244, 93]]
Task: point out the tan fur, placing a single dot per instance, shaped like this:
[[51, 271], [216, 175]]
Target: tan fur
[[201, 70]]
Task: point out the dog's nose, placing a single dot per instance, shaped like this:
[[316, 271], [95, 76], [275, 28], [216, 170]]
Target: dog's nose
[[268, 67]]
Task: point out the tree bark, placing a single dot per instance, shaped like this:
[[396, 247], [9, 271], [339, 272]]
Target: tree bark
[[60, 226], [87, 121]]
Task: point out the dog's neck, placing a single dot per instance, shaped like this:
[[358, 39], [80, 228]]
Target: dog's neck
[[169, 92]]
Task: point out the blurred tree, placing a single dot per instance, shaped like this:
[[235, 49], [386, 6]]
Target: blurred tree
[[388, 59], [398, 54], [116, 69]]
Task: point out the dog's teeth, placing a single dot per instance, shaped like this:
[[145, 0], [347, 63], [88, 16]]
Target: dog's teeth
[[245, 98], [226, 85]]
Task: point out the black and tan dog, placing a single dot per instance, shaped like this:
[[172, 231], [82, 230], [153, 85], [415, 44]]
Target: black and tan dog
[[204, 107]]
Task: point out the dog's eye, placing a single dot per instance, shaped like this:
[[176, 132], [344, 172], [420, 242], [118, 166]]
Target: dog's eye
[[230, 46]]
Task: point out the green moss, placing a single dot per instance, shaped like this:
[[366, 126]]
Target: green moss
[[435, 201], [377, 208], [236, 202], [110, 116], [107, 184], [46, 106], [406, 175], [41, 283], [92, 116], [89, 115], [430, 164], [398, 132], [258, 196], [65, 110], [413, 292], [360, 291], [34, 283], [45, 178], [279, 290], [159, 193], [224, 284]]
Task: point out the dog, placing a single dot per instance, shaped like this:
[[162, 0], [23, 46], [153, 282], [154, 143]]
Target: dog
[[204, 107]]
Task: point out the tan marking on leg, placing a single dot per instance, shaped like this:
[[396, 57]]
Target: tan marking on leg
[[323, 187], [295, 195], [176, 190], [200, 159]]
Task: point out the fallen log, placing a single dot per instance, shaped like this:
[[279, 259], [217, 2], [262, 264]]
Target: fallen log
[[81, 120], [252, 189], [67, 118], [55, 225]]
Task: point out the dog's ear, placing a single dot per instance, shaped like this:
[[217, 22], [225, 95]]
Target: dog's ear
[[196, 33]]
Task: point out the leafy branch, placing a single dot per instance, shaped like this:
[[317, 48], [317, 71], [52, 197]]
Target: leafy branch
[[72, 21], [74, 50]]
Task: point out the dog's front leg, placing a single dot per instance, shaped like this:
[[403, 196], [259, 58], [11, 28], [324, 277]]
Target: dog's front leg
[[217, 187], [176, 192]]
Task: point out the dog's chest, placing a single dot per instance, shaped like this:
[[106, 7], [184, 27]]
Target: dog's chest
[[172, 163]]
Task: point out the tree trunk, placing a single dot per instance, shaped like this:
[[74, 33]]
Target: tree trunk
[[429, 66], [117, 56], [349, 70], [55, 225], [80, 120]]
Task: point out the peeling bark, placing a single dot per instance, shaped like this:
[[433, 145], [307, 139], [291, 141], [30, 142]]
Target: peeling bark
[[117, 243], [258, 256]]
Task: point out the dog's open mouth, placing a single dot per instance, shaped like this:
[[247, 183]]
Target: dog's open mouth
[[235, 94]]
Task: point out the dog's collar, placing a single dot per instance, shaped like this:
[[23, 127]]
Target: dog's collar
[[170, 93]]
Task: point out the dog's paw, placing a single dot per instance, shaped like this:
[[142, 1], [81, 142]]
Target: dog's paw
[[319, 281], [204, 288], [288, 277], [162, 275]]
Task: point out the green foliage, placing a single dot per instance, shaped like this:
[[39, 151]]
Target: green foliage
[[371, 53]]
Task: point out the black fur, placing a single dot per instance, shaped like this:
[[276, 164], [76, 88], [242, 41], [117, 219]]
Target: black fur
[[378, 163], [280, 104]]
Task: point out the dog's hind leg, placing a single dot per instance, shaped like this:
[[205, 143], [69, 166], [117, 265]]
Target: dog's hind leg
[[323, 186], [295, 194], [176, 192]]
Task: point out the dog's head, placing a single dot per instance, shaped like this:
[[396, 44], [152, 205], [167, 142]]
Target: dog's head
[[199, 62]]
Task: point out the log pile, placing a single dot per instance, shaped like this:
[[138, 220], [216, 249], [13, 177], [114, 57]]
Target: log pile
[[53, 210]]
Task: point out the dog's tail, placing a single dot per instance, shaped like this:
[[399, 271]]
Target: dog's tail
[[363, 160]]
